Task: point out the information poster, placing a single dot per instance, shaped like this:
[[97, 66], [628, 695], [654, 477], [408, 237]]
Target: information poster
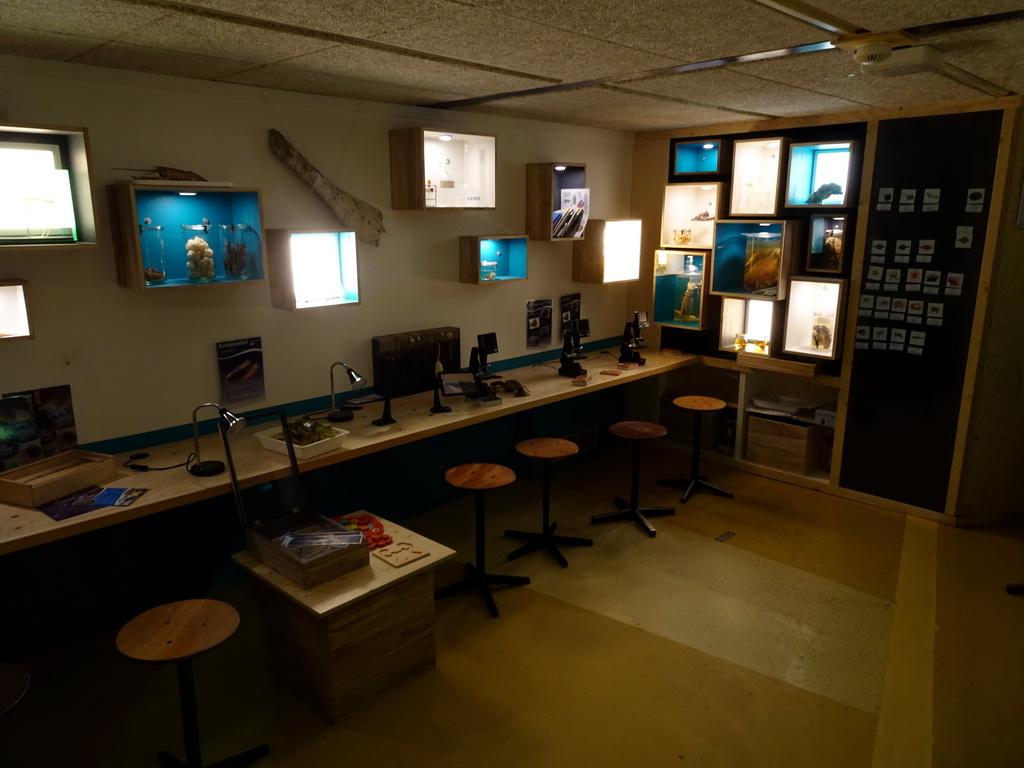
[[240, 363]]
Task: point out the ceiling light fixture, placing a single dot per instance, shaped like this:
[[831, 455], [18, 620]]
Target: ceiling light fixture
[[445, 137]]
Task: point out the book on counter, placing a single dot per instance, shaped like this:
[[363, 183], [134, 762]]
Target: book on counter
[[611, 372], [627, 366], [671, 352], [582, 379]]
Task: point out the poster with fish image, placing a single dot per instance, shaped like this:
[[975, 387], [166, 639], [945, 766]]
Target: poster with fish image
[[240, 363]]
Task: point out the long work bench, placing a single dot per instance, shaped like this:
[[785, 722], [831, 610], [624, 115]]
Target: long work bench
[[24, 527]]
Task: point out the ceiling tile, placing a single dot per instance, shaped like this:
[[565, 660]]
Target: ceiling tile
[[684, 30], [726, 88], [886, 15], [833, 73], [994, 52], [481, 35], [42, 45], [283, 77], [391, 69], [85, 18], [141, 59]]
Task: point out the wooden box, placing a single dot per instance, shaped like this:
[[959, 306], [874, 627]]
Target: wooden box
[[304, 565], [41, 481], [784, 445]]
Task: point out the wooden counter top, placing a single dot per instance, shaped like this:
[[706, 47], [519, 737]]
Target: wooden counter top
[[24, 527]]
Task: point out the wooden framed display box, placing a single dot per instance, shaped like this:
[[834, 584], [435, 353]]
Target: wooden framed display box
[[492, 259], [186, 235], [15, 320], [756, 170], [750, 327], [55, 206], [547, 186], [41, 481], [681, 295], [610, 255], [789, 446], [826, 242], [687, 158], [754, 258], [311, 268], [819, 174], [814, 317], [440, 169], [688, 215], [306, 566]]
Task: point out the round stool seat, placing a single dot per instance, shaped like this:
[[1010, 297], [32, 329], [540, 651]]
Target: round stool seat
[[637, 430], [177, 630], [547, 448], [699, 403], [479, 477], [14, 681]]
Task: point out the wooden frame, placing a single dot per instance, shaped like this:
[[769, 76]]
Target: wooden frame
[[281, 275], [688, 215], [512, 265], [409, 175], [828, 242], [544, 185]]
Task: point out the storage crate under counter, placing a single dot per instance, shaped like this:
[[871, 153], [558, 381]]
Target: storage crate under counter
[[791, 447]]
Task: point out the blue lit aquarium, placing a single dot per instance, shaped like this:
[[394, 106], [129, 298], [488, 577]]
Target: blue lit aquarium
[[819, 174], [492, 259], [689, 157], [679, 288], [752, 258]]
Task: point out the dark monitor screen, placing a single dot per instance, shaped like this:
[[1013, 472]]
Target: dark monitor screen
[[406, 363], [458, 384], [581, 327], [488, 343]]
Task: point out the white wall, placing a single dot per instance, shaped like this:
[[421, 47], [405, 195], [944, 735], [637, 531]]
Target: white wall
[[142, 361]]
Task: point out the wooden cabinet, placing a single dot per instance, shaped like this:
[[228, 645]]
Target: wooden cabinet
[[440, 169], [492, 258], [682, 298], [186, 235], [548, 185], [756, 172], [688, 215], [754, 258]]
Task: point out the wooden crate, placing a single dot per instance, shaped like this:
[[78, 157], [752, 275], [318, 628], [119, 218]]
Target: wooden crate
[[784, 445], [292, 562], [41, 481]]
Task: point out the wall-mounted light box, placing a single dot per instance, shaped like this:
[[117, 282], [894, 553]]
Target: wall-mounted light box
[[756, 166], [610, 253], [689, 157], [492, 259], [46, 196], [818, 174], [312, 268], [441, 169], [814, 315], [750, 326], [15, 322]]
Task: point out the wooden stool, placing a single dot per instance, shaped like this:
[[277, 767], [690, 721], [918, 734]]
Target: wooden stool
[[178, 632], [637, 431], [547, 449], [479, 478], [14, 681], [697, 405]]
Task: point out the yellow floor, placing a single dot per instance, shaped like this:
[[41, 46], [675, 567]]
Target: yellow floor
[[821, 632]]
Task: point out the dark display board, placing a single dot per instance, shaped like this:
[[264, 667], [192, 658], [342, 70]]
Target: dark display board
[[928, 210], [406, 363]]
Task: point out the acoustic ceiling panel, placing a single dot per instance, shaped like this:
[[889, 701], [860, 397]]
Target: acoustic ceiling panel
[[994, 52], [885, 15], [44, 45], [480, 35], [142, 59]]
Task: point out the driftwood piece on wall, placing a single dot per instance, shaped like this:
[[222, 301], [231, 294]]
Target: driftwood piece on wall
[[365, 220]]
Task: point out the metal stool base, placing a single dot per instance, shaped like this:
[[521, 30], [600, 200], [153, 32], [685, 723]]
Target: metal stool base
[[546, 539]]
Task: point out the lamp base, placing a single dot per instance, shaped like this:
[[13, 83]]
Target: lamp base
[[207, 468], [340, 416], [385, 417]]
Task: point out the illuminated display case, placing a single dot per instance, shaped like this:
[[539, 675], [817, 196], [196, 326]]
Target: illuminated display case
[[610, 254], [754, 258], [441, 169], [546, 186], [756, 167], [751, 327], [814, 317], [681, 296], [687, 158], [311, 268], [15, 322], [186, 235], [827, 242], [492, 259], [818, 174], [46, 192], [688, 215]]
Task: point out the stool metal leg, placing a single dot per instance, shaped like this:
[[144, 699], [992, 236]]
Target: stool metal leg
[[632, 508], [478, 575], [694, 481], [546, 539]]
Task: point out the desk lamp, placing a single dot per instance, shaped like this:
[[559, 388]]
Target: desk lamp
[[344, 413], [229, 422], [632, 340]]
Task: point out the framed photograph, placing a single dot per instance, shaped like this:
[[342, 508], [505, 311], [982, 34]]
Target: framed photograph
[[827, 243]]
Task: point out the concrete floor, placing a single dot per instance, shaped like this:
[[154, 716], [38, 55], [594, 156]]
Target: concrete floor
[[821, 632]]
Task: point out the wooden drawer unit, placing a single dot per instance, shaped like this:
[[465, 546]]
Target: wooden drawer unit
[[784, 445]]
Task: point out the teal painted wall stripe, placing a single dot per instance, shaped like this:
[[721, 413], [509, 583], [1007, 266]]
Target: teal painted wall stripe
[[313, 405]]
